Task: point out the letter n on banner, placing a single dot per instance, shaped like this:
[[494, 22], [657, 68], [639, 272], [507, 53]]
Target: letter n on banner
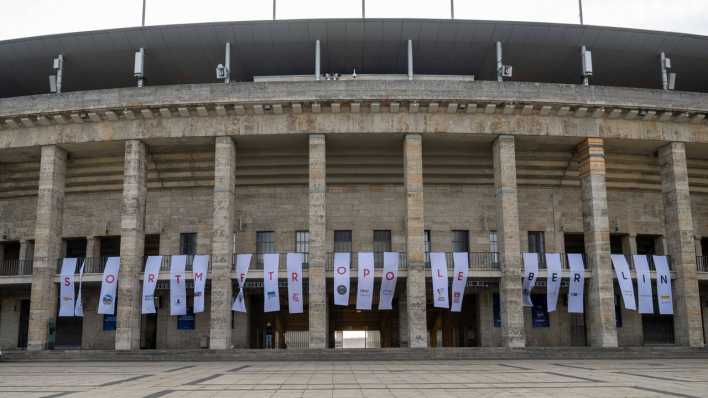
[[663, 285]]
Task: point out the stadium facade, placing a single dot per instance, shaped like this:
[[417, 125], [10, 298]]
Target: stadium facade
[[389, 140]]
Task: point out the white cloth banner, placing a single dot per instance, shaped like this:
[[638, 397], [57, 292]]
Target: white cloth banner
[[644, 291], [294, 265], [663, 285], [150, 276], [66, 290], [79, 306], [271, 295], [341, 278], [109, 286], [459, 279], [388, 280], [438, 267], [553, 283], [178, 286], [200, 270], [365, 281], [624, 278], [576, 284], [243, 262], [530, 274]]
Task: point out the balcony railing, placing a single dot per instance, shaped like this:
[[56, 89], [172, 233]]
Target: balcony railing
[[167, 261], [378, 261], [650, 260], [16, 267], [478, 261], [92, 265], [564, 261], [257, 261], [702, 263]]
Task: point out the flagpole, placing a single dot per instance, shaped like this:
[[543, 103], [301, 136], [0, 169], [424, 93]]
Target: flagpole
[[580, 6], [144, 12]]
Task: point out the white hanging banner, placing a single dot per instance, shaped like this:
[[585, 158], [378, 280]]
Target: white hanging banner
[[271, 298], [644, 291], [530, 274], [663, 285], [365, 281], [294, 265], [150, 276], [438, 267], [624, 278], [243, 262], [79, 306], [200, 270], [109, 286], [388, 280], [553, 282], [576, 284], [178, 286], [341, 278], [66, 287], [459, 279]]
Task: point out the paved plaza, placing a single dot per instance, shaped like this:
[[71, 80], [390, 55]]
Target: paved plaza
[[527, 378]]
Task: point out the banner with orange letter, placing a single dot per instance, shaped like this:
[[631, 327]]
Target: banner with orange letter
[[294, 265], [200, 268]]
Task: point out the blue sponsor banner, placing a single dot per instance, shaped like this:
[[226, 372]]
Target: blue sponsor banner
[[539, 311], [186, 322], [109, 323], [496, 310]]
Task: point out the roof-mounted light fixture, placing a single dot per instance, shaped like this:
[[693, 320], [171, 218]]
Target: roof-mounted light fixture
[[56, 79], [586, 65], [223, 72], [503, 71], [318, 72], [410, 59], [668, 79], [139, 69]]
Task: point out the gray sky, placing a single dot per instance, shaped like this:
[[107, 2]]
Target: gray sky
[[22, 18]]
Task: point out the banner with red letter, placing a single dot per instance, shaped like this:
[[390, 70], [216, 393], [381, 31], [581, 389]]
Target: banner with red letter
[[553, 282], [200, 269], [530, 274], [178, 287], [294, 265], [66, 289], [150, 276], [243, 262], [624, 278], [109, 286], [341, 278], [459, 279], [365, 281], [663, 285], [79, 307], [644, 290], [438, 266], [271, 300], [388, 280], [576, 285]]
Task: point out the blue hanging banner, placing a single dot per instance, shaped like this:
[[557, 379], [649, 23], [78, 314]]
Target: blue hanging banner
[[186, 322], [539, 311], [109, 322]]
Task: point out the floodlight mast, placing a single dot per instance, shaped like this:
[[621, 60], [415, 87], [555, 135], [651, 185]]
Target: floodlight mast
[[139, 69], [55, 81], [318, 72], [668, 79], [500, 64], [586, 65], [227, 63], [410, 59]]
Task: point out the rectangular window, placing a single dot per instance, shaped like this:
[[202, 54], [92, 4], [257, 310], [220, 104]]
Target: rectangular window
[[493, 248], [496, 310], [152, 245], [302, 243], [646, 245], [460, 241], [188, 243], [617, 243], [537, 242], [574, 243], [342, 241], [382, 243], [110, 246], [76, 247], [428, 247], [264, 244]]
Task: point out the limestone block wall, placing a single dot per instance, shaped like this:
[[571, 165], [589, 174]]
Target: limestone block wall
[[94, 337], [17, 217], [10, 319], [490, 336], [179, 210], [91, 214], [699, 205], [631, 333], [168, 336]]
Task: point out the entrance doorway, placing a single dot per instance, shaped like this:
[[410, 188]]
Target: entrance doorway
[[24, 324], [455, 329], [148, 335], [69, 332]]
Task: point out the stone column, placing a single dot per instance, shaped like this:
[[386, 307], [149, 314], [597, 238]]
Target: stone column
[[319, 329], [508, 244], [132, 244], [26, 257], [596, 227], [415, 241], [222, 243], [402, 320], [47, 244], [680, 243]]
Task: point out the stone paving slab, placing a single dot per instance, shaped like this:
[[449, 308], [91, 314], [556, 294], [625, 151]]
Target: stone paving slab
[[659, 377]]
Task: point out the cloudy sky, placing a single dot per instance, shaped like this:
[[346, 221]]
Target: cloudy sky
[[22, 18]]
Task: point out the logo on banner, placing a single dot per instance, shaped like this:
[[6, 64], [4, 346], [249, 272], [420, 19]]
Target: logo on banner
[[271, 294], [107, 299], [341, 289], [365, 292], [441, 292], [456, 297], [296, 297]]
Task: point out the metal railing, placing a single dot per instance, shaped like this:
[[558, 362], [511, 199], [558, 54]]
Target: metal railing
[[167, 261], [92, 265], [564, 260], [257, 260], [650, 260], [16, 267], [478, 261], [354, 264], [702, 263]]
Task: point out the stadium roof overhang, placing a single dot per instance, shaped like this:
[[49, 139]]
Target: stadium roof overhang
[[180, 54]]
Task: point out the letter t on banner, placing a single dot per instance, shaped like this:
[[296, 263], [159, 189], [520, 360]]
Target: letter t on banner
[[178, 287], [271, 300]]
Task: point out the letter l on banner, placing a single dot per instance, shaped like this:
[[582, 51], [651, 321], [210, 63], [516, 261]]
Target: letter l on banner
[[438, 267], [388, 280], [553, 284], [178, 287], [200, 268], [624, 278], [530, 274], [294, 265], [109, 286]]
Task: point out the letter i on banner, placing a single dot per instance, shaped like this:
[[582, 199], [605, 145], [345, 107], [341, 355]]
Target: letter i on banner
[[553, 284], [365, 281], [66, 290], [109, 286], [438, 268], [341, 278], [624, 279], [79, 307], [459, 279], [243, 262], [294, 265], [388, 280], [178, 287], [271, 299], [576, 285], [150, 276], [663, 285], [644, 291], [530, 273], [200, 268]]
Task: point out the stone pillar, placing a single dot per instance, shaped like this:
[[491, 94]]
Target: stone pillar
[[47, 244], [319, 329], [132, 244], [402, 320], [26, 257], [602, 330], [415, 241], [680, 243], [512, 310], [222, 243]]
